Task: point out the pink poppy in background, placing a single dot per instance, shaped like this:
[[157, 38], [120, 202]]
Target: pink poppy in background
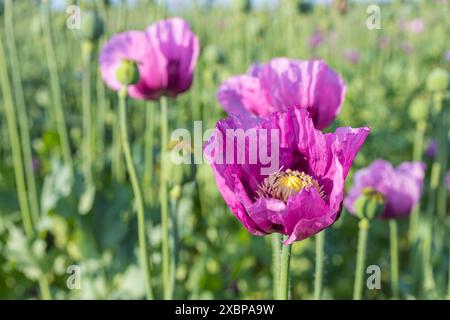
[[407, 48], [316, 39], [401, 186], [352, 55], [416, 25], [305, 194], [384, 42], [166, 55], [282, 84], [447, 55]]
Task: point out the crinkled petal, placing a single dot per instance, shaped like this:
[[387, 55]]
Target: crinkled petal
[[180, 47], [242, 95]]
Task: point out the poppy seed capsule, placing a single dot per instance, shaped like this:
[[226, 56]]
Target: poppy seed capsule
[[437, 80], [370, 204], [91, 26], [127, 73], [418, 110]]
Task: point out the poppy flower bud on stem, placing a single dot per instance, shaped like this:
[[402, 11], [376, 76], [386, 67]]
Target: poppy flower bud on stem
[[370, 204], [438, 80], [127, 73], [91, 26]]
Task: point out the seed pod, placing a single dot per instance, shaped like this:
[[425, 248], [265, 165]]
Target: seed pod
[[370, 204], [437, 80], [127, 73], [91, 25], [419, 109]]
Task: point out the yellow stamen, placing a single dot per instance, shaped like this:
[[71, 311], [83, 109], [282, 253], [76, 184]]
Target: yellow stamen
[[283, 184]]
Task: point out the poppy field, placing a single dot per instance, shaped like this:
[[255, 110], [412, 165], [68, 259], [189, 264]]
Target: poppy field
[[237, 149]]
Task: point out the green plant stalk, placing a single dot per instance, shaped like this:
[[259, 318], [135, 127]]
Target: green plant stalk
[[428, 283], [276, 260], [55, 85], [44, 288], [149, 144], [320, 250], [102, 103], [393, 234], [417, 156], [13, 134], [86, 52], [164, 201], [11, 121], [363, 225], [285, 272], [21, 111], [143, 254]]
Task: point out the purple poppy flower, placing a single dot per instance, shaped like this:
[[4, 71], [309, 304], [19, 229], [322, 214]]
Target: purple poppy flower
[[431, 149], [166, 54], [447, 55], [407, 48], [401, 186], [304, 192], [316, 39], [416, 25], [282, 84], [352, 55], [384, 42]]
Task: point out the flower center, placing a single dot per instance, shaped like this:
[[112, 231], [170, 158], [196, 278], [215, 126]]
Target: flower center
[[283, 184]]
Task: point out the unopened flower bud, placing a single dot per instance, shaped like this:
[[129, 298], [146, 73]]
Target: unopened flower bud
[[242, 5], [419, 109], [438, 80], [370, 204], [127, 73], [91, 26]]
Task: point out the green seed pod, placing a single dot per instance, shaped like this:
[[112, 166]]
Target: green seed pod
[[91, 25], [214, 54], [437, 80], [127, 73], [419, 110], [242, 5], [370, 204]]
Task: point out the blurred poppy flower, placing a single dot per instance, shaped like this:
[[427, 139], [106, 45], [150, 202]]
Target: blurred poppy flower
[[166, 54], [316, 39], [447, 55], [431, 149], [401, 186], [282, 84], [352, 55], [305, 194]]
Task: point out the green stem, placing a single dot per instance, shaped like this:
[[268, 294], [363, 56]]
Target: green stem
[[285, 272], [428, 283], [15, 144], [393, 233], [164, 201], [363, 225], [55, 85], [320, 249], [16, 152], [21, 110], [143, 254], [417, 156], [44, 288], [276, 260], [149, 143], [87, 47]]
